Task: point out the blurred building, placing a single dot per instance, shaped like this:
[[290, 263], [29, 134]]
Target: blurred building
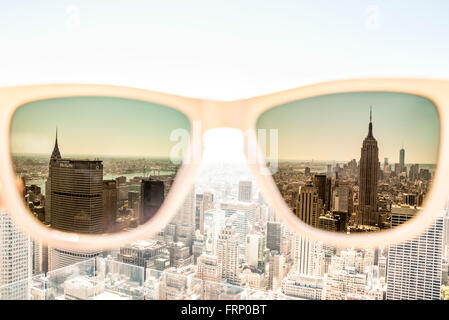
[[110, 201], [152, 196], [209, 268], [414, 267], [227, 252], [140, 253], [74, 203], [15, 262], [245, 191], [274, 236], [303, 286]]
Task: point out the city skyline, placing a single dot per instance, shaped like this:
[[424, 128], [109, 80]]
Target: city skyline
[[261, 264], [330, 127], [358, 196], [211, 238], [230, 51]]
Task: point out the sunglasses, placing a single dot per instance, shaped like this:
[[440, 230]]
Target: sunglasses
[[353, 163]]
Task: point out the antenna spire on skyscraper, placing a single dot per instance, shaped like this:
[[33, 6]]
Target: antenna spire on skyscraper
[[370, 127], [56, 154]]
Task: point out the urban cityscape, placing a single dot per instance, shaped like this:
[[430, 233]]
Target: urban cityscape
[[226, 242], [356, 196]]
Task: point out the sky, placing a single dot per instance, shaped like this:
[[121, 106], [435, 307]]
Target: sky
[[333, 127], [220, 50], [226, 50], [97, 126]]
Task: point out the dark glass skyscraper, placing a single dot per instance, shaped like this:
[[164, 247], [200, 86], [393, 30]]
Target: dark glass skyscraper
[[402, 158], [324, 186], [110, 199], [152, 195], [368, 179], [75, 191], [76, 195], [274, 235]]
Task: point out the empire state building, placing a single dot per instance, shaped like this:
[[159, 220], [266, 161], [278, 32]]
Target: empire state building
[[368, 179]]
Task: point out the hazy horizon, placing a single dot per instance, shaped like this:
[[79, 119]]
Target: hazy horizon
[[70, 156], [334, 126], [96, 126], [318, 161]]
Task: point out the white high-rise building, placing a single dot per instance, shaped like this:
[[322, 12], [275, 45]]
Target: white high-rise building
[[15, 259], [254, 249], [414, 267], [185, 220], [308, 257], [185, 215], [38, 256], [227, 252], [214, 221], [275, 270], [245, 191], [242, 215], [203, 203]]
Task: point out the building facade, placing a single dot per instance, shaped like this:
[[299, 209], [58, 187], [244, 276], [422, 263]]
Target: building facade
[[368, 180], [414, 267]]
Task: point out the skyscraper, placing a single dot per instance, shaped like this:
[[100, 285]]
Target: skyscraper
[[75, 191], [55, 155], [203, 202], [151, 198], [308, 256], [199, 213], [185, 220], [307, 204], [185, 215], [368, 179], [275, 270], [110, 198], [245, 191], [324, 187], [274, 234], [254, 249], [15, 262], [414, 172], [402, 158], [343, 198], [208, 200], [414, 267], [227, 252], [76, 195]]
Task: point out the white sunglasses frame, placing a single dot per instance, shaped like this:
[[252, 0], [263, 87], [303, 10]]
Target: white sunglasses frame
[[240, 114]]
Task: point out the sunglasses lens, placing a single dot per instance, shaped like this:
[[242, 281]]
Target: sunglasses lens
[[352, 162], [97, 164]]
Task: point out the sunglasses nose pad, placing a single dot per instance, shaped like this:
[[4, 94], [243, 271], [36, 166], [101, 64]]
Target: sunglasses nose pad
[[223, 144]]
